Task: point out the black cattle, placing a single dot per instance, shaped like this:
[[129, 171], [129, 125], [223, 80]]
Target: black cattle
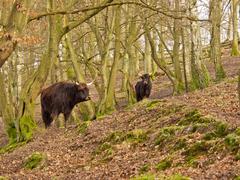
[[61, 97], [143, 87]]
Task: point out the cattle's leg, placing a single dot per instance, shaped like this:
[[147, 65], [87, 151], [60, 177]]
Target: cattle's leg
[[66, 116], [147, 92], [54, 116], [47, 119]]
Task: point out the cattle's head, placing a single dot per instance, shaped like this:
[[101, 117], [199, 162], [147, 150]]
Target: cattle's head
[[82, 93], [146, 78]]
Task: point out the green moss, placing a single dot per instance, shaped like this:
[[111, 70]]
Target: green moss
[[232, 80], [11, 146], [144, 177], [200, 79], [3, 178], [168, 110], [198, 127], [103, 147], [237, 157], [209, 136], [12, 133], [179, 88], [235, 52], [83, 127], [105, 150], [164, 164], [220, 73], [177, 177], [166, 134], [135, 136], [35, 160], [221, 129], [237, 178], [237, 131], [180, 144], [194, 117], [153, 104], [144, 168], [27, 126], [196, 149], [192, 161], [232, 141]]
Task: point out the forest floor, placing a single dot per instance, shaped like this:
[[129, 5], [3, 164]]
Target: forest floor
[[193, 135]]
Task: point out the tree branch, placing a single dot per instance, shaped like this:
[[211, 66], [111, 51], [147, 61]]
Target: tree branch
[[104, 5]]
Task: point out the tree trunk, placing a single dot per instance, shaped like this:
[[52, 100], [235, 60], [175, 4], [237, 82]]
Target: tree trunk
[[235, 50], [147, 57], [7, 112], [31, 89], [215, 54], [108, 103], [160, 62], [14, 22], [176, 50], [200, 77], [130, 61]]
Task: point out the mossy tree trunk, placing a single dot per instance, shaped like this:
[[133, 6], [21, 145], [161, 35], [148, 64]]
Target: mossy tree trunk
[[7, 112], [147, 56], [176, 49], [199, 73], [215, 54], [104, 51], [184, 60], [108, 103], [31, 89], [235, 50], [130, 61]]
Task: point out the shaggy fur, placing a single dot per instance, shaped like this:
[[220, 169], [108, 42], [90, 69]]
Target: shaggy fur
[[61, 97], [143, 87]]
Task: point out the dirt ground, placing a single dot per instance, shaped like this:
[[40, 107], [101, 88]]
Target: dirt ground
[[70, 154]]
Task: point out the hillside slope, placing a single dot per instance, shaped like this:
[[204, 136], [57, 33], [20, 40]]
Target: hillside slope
[[194, 135]]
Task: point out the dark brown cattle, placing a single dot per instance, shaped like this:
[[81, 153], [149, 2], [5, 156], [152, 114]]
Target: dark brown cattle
[[143, 87], [61, 97]]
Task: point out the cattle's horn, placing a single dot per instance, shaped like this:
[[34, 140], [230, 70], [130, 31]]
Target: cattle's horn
[[76, 83], [88, 84]]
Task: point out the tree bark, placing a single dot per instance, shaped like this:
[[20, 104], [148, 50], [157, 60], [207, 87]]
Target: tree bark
[[235, 50], [14, 21], [176, 49], [108, 103], [215, 54]]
